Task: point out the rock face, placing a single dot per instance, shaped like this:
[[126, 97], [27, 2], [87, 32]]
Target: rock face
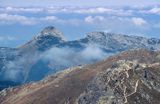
[[131, 77], [126, 82], [28, 62]]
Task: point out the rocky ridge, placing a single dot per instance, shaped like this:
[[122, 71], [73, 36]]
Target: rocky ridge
[[126, 82]]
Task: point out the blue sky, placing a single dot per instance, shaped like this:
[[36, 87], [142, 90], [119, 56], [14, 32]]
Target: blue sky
[[20, 20]]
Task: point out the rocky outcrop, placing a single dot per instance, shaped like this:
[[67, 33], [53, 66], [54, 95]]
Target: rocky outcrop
[[126, 82]]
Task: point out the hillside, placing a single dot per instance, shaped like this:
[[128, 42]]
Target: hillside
[[129, 77]]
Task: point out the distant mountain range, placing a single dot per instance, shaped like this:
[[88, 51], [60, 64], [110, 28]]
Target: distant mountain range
[[49, 52]]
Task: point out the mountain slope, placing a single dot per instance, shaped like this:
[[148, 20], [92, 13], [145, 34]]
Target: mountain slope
[[127, 82], [52, 52], [76, 85]]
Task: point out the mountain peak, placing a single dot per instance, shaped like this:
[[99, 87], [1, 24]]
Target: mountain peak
[[51, 31], [47, 38]]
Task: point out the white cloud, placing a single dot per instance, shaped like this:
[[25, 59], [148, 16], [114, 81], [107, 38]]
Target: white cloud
[[10, 19], [103, 10], [138, 21], [150, 10], [91, 19], [78, 10], [60, 56], [155, 10], [93, 10], [24, 20], [21, 9]]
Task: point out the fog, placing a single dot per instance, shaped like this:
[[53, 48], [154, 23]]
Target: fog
[[55, 59], [70, 57]]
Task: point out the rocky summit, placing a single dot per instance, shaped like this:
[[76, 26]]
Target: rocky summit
[[132, 77], [46, 39]]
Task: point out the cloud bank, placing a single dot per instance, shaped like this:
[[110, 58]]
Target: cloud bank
[[76, 21], [70, 57], [55, 59]]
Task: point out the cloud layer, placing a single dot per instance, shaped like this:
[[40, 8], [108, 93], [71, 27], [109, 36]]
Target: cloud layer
[[20, 14], [54, 58], [76, 21]]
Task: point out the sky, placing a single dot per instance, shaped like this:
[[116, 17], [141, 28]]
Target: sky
[[44, 3], [21, 20]]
